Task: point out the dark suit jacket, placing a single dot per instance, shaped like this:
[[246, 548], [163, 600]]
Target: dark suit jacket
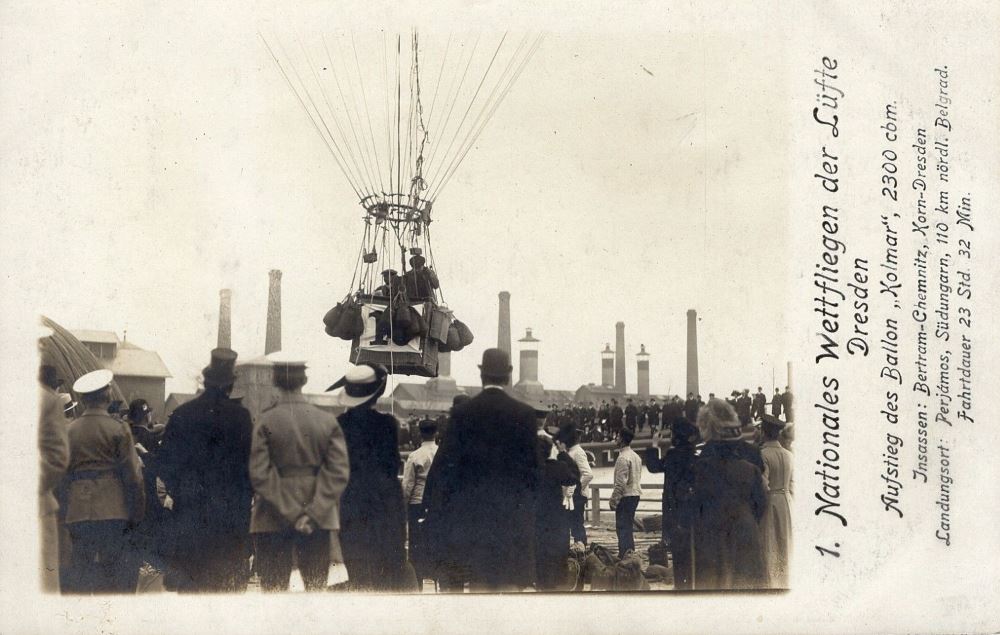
[[481, 491], [204, 461], [677, 466]]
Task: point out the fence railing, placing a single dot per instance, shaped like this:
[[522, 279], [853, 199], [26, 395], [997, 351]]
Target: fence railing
[[646, 503]]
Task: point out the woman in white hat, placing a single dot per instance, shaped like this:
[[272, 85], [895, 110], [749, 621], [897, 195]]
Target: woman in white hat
[[372, 513]]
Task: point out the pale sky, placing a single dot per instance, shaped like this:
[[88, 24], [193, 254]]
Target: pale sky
[[629, 175]]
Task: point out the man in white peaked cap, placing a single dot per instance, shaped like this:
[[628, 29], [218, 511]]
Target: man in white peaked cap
[[105, 496]]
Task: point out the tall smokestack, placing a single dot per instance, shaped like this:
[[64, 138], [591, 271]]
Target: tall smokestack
[[528, 374], [692, 352], [225, 318], [272, 336], [503, 330], [620, 358], [444, 364], [443, 385], [607, 366], [643, 372]]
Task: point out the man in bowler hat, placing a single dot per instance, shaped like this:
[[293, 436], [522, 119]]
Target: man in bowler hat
[[204, 462], [481, 485]]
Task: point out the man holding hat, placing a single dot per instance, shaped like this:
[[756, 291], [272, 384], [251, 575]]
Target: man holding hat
[[677, 466], [204, 462], [481, 513], [104, 495], [420, 281], [298, 466]]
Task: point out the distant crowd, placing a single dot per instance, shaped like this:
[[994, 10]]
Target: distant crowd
[[601, 423]]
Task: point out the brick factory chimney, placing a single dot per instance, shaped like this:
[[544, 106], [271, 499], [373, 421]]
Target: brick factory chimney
[[607, 366], [225, 318], [692, 352], [528, 373], [643, 372], [503, 330], [272, 336], [620, 358]]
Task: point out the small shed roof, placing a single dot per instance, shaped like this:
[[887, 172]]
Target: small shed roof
[[132, 361]]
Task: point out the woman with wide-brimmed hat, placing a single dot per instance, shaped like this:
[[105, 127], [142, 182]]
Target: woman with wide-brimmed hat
[[372, 513], [729, 500]]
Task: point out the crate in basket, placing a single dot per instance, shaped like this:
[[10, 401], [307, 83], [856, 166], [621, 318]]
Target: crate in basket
[[419, 356]]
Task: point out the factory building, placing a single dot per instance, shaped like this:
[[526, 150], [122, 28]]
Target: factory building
[[139, 373]]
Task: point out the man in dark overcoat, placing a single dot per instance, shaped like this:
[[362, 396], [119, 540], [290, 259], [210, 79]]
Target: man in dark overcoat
[[691, 408], [744, 404], [204, 463], [759, 406], [481, 487], [776, 403], [615, 417], [787, 405]]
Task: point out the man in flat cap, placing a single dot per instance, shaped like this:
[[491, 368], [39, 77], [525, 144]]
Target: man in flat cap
[[104, 494], [390, 284], [481, 517], [204, 462], [420, 281], [299, 469]]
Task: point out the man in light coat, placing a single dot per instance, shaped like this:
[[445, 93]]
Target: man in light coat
[[569, 438], [625, 496], [53, 446], [299, 468], [418, 464]]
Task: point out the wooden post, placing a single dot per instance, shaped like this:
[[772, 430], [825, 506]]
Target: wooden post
[[595, 504]]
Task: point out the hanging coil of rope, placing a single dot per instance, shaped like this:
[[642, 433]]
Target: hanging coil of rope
[[365, 97]]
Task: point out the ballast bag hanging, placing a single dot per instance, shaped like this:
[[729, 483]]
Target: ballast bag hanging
[[454, 339], [463, 332], [332, 319], [351, 324]]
